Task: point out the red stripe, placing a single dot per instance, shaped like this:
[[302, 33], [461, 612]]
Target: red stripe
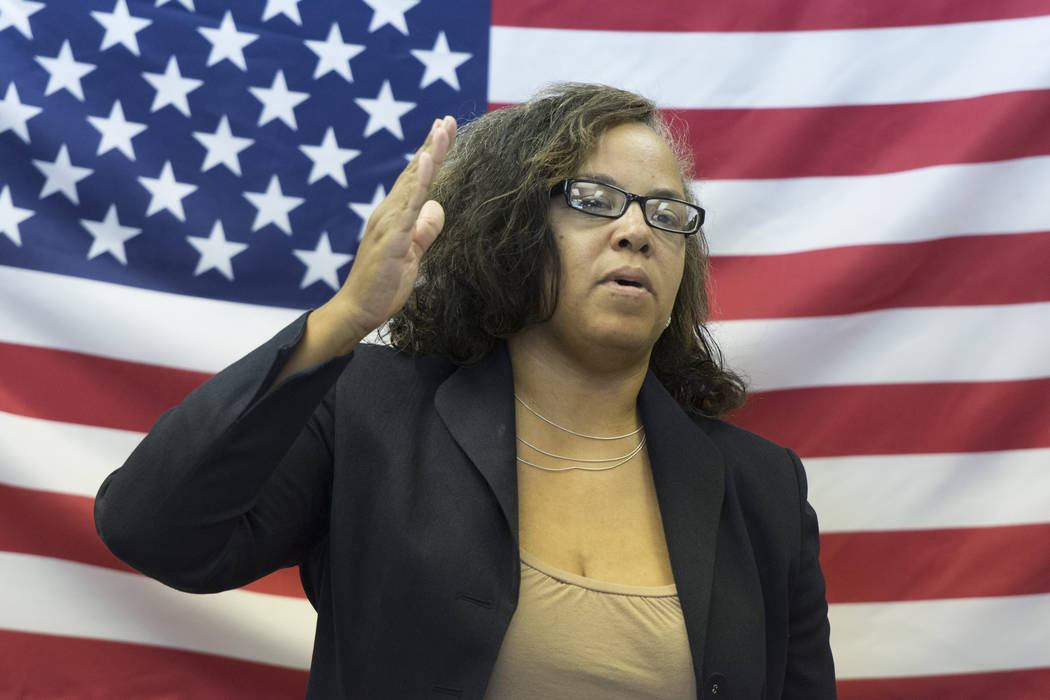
[[76, 388], [48, 666], [753, 15], [1020, 684], [903, 418], [961, 271], [862, 139], [866, 139], [62, 526], [929, 564], [815, 421]]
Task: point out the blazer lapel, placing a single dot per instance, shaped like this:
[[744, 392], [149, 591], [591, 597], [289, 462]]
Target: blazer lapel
[[689, 475], [476, 404]]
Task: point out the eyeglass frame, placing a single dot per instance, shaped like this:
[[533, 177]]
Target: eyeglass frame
[[563, 188]]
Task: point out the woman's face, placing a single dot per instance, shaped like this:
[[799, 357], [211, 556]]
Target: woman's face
[[619, 277]]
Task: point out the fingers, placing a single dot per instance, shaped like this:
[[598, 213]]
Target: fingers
[[433, 150], [424, 176], [444, 133], [438, 141], [397, 215], [433, 154], [414, 182]]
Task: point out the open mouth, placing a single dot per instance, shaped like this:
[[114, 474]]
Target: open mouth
[[628, 283]]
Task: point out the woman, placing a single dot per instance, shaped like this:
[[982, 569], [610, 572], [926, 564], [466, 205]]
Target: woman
[[529, 494]]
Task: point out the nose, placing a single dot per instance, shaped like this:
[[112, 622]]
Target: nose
[[632, 231]]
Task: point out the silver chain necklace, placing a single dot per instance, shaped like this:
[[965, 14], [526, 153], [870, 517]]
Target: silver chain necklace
[[573, 432], [621, 460]]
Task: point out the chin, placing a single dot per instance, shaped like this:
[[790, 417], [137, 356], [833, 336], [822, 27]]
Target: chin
[[625, 337]]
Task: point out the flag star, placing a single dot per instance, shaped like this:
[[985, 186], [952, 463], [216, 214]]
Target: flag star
[[364, 209], [288, 8], [322, 265], [227, 42], [333, 54], [171, 88], [216, 252], [223, 147], [116, 131], [61, 175], [11, 216], [16, 13], [188, 4], [65, 71], [109, 235], [14, 114], [329, 159], [166, 193], [390, 12], [441, 63], [121, 27], [384, 112], [273, 206], [278, 101]]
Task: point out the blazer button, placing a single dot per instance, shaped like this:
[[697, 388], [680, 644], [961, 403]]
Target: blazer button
[[717, 686]]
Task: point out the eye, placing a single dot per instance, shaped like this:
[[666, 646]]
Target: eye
[[594, 199], [667, 213]]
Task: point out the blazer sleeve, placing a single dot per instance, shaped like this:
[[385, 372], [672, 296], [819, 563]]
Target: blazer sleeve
[[810, 673], [233, 483]]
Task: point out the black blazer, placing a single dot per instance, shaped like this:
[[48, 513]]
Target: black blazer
[[395, 491]]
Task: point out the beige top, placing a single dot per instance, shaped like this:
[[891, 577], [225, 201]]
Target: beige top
[[576, 637]]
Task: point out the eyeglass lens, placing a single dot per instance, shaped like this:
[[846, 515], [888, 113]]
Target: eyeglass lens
[[603, 200]]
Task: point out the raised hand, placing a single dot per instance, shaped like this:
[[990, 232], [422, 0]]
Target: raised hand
[[397, 234]]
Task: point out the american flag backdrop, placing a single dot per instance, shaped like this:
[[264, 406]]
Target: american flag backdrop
[[180, 178]]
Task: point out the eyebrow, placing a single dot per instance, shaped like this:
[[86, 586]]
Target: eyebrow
[[610, 180]]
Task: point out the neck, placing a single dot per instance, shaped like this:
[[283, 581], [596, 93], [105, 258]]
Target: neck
[[598, 399]]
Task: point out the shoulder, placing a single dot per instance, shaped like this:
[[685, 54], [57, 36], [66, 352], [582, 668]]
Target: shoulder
[[736, 442], [766, 480], [749, 457], [387, 369], [755, 470]]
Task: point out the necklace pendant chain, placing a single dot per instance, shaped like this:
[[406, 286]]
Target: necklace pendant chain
[[627, 458], [619, 461], [573, 432]]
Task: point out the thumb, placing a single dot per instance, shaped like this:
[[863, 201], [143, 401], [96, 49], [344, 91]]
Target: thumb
[[429, 223]]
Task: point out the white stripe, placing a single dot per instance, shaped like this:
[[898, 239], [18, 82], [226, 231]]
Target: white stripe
[[127, 323], [892, 346], [914, 492], [850, 494], [980, 343], [51, 596], [62, 457], [779, 69], [758, 217], [923, 638]]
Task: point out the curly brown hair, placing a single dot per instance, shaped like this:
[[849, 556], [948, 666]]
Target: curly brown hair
[[494, 268]]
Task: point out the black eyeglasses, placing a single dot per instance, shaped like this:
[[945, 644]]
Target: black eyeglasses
[[602, 199]]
